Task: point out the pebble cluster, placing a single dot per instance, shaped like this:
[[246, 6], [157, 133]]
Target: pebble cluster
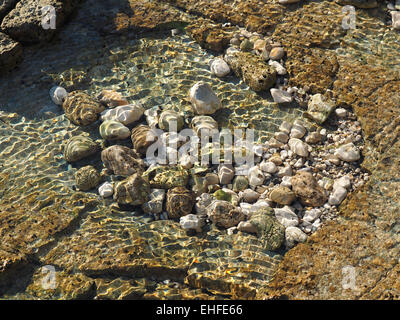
[[298, 178]]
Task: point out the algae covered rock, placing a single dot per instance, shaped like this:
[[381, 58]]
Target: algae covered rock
[[81, 109], [257, 74], [122, 160], [87, 178], [114, 130], [268, 229], [180, 202], [167, 177], [79, 147], [143, 137], [134, 191], [224, 214]]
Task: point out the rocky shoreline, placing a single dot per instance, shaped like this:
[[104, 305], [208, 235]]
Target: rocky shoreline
[[322, 64]]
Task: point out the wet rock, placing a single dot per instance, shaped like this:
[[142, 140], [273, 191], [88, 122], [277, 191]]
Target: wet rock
[[152, 116], [254, 71], [277, 53], [143, 137], [81, 109], [246, 45], [24, 22], [281, 96], [87, 178], [79, 147], [311, 215], [170, 121], [246, 226], [6, 6], [348, 152], [122, 160], [240, 183], [58, 95], [202, 202], [112, 99], [343, 182], [204, 124], [341, 112], [203, 99], [282, 195], [313, 137], [224, 214], [180, 202], [319, 108], [308, 190], [192, 222], [298, 147], [288, 1], [166, 177], [297, 131], [294, 235], [285, 171], [269, 230], [222, 195], [114, 130], [155, 203], [220, 68], [126, 114], [106, 190], [225, 173], [133, 191], [286, 216]]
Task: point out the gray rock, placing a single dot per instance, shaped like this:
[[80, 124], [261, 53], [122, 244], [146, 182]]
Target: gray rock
[[319, 108], [348, 152], [220, 68], [203, 99], [281, 96], [286, 216], [10, 53], [294, 235]]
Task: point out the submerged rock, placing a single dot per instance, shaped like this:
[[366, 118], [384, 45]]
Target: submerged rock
[[220, 68], [58, 95], [155, 203], [294, 235], [126, 114], [268, 229], [79, 147], [282, 195], [143, 137], [204, 124], [10, 52], [203, 99], [114, 130], [224, 214], [167, 177], [319, 108], [348, 152], [87, 178], [192, 222], [180, 202], [307, 189], [255, 72], [122, 160], [112, 99], [281, 96], [298, 147], [106, 190], [133, 190], [225, 173], [240, 183], [171, 121], [81, 109]]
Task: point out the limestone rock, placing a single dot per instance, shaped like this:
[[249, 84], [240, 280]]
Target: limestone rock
[[81, 109], [133, 191], [224, 214], [298, 147], [348, 152], [308, 190], [294, 235], [114, 130], [225, 173], [106, 190], [240, 183], [192, 222], [180, 202], [143, 137], [338, 195], [256, 176], [122, 161], [113, 99], [203, 99], [319, 108], [286, 216], [79, 147], [277, 53], [281, 96], [126, 114], [166, 177], [155, 203], [87, 178], [220, 68], [282, 195], [58, 95], [257, 74], [170, 121]]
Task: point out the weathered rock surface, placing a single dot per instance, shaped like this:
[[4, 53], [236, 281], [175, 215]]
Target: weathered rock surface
[[122, 160], [307, 189], [24, 22], [10, 53]]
